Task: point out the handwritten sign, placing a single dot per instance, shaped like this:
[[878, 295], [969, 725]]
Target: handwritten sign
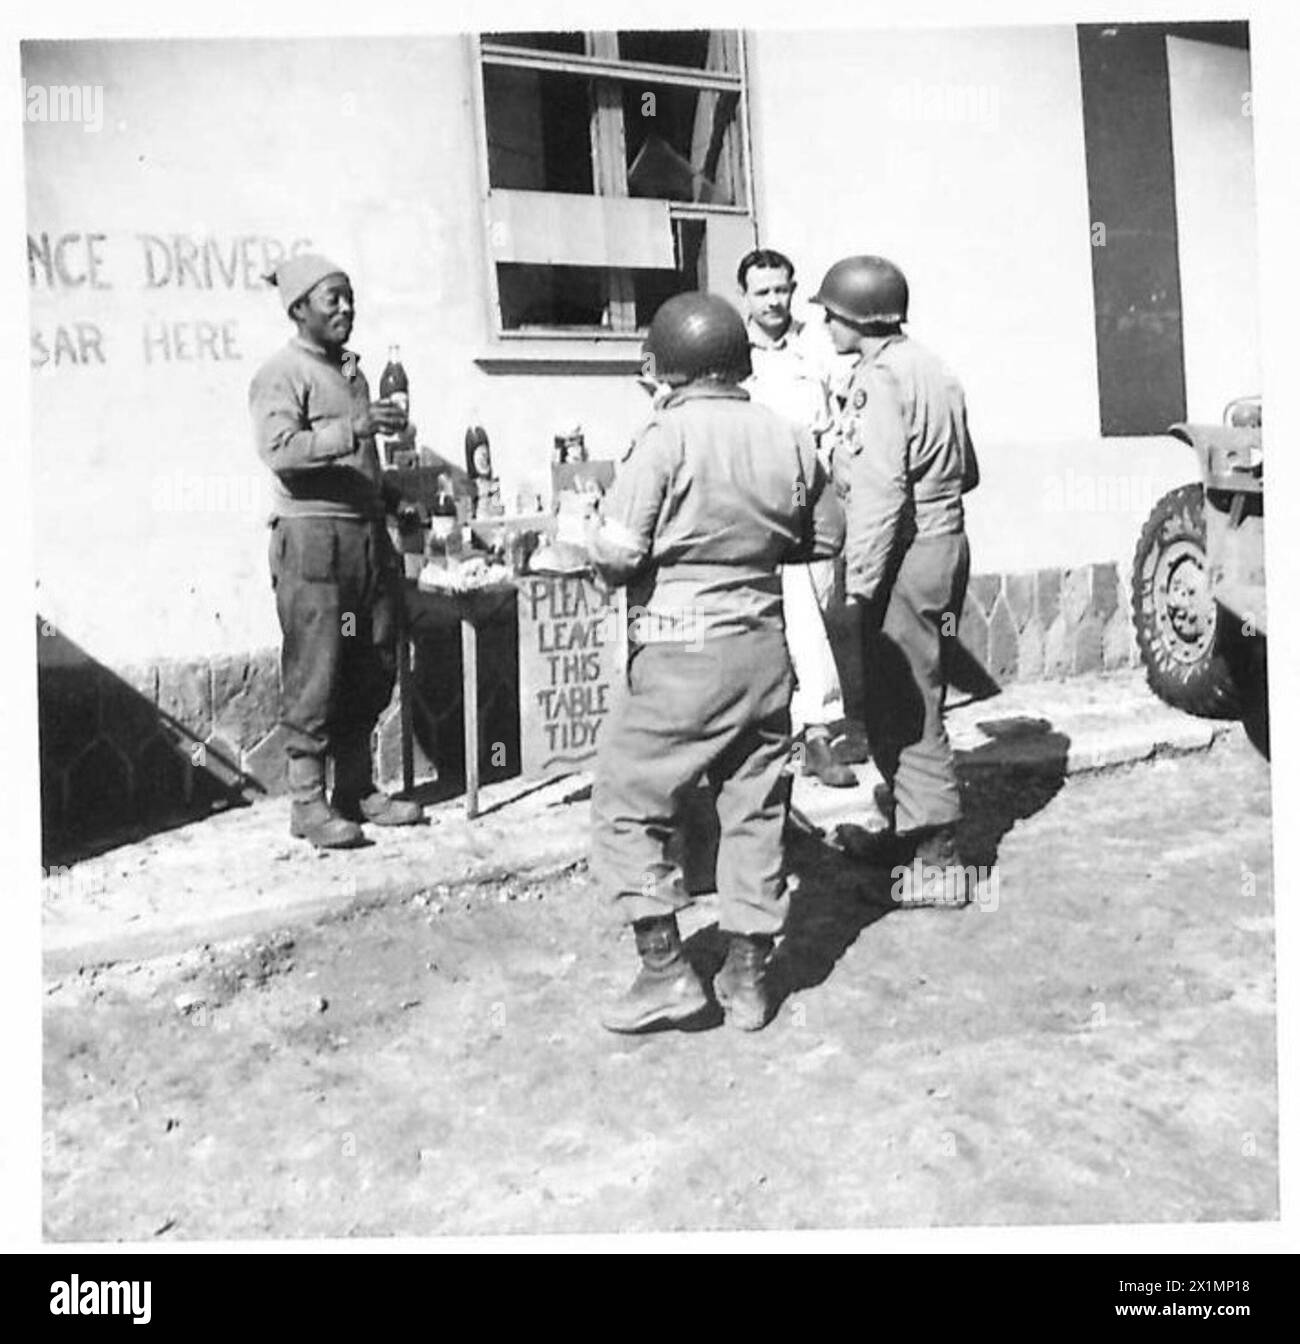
[[572, 656], [78, 262]]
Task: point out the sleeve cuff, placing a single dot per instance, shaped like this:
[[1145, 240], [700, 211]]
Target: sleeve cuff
[[614, 546], [335, 440]]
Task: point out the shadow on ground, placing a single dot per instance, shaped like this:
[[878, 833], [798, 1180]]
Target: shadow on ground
[[116, 765], [1012, 777]]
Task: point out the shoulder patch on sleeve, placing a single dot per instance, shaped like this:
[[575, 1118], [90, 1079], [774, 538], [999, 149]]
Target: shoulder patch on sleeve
[[648, 430], [884, 379], [859, 398]]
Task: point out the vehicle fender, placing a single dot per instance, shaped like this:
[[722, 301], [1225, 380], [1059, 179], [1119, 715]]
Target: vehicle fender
[[1230, 457]]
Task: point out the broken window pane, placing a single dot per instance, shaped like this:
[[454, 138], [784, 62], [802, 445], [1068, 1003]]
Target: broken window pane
[[578, 297], [653, 287], [572, 43], [686, 48], [552, 296], [565, 131], [538, 130], [682, 144]]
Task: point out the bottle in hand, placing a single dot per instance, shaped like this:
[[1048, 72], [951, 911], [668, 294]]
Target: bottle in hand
[[393, 385]]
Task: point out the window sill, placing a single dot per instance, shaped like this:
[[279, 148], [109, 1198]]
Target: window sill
[[547, 354]]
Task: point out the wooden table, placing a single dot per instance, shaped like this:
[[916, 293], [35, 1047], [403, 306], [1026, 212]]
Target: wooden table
[[426, 612]]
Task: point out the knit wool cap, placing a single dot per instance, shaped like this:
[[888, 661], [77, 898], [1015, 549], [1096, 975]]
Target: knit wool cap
[[297, 276]]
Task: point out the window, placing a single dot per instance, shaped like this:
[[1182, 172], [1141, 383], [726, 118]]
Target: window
[[616, 175]]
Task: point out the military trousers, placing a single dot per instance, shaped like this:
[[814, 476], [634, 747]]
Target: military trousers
[[337, 593], [722, 707], [907, 633]]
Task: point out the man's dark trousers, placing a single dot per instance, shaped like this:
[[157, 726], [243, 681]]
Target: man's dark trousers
[[905, 654], [337, 594]]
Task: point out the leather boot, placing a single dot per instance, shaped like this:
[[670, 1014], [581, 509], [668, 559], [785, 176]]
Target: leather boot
[[666, 988], [381, 809], [310, 816], [355, 794], [878, 849], [819, 760], [741, 985], [851, 748], [315, 820], [936, 876]]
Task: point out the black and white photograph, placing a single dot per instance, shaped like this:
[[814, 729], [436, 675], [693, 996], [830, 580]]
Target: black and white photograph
[[646, 629]]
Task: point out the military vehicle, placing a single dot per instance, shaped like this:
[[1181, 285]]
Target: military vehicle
[[1199, 608]]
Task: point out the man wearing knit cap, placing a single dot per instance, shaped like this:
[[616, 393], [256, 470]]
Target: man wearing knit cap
[[333, 567]]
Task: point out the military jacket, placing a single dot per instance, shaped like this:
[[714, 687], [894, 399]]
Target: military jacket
[[712, 497], [902, 458]]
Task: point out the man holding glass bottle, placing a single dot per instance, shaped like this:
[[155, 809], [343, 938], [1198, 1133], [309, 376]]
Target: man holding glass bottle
[[333, 567]]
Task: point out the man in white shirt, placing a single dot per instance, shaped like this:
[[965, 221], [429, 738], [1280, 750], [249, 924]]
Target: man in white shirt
[[792, 375]]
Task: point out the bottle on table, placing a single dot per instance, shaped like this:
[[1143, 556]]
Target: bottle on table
[[478, 465], [570, 445], [444, 523], [478, 454]]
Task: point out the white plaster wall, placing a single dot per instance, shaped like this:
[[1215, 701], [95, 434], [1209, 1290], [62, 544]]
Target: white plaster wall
[[150, 512], [1068, 502], [959, 154], [149, 507], [1218, 254]]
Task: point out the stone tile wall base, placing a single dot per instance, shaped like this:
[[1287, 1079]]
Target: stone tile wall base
[[136, 745]]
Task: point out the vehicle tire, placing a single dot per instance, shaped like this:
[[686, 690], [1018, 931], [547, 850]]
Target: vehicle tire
[[1175, 617], [1249, 660]]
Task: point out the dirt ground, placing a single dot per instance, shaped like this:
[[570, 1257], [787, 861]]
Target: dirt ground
[[1094, 1043]]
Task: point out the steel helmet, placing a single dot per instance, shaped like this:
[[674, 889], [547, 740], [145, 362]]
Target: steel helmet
[[864, 289], [696, 334]]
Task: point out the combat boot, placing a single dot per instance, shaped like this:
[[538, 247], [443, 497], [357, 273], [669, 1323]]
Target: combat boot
[[741, 985], [851, 748], [313, 819], [380, 809], [819, 761], [877, 848], [310, 816], [666, 988], [355, 794], [936, 876]]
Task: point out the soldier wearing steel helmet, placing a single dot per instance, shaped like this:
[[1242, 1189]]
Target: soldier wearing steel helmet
[[903, 459], [714, 495]]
